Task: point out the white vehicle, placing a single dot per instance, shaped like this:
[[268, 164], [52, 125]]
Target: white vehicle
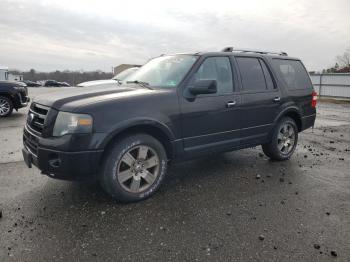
[[6, 76], [115, 80], [4, 72]]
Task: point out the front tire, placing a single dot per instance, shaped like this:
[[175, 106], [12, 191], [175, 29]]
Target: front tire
[[284, 140], [134, 168], [6, 106]]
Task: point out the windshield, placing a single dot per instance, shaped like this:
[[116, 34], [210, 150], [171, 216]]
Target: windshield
[[164, 71], [124, 74]]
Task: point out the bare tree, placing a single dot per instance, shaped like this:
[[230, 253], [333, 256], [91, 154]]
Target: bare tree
[[344, 59]]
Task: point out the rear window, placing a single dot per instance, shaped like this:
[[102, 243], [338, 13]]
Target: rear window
[[293, 73]]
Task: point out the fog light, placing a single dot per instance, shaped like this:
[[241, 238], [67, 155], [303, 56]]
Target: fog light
[[54, 161]]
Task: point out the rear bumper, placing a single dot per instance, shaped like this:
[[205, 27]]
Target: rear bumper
[[63, 165], [308, 121]]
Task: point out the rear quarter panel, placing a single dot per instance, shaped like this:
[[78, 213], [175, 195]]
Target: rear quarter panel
[[301, 98]]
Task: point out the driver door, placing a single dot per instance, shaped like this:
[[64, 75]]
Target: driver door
[[210, 122]]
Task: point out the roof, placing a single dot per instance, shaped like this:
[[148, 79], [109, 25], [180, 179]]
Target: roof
[[252, 54], [4, 68], [245, 52]]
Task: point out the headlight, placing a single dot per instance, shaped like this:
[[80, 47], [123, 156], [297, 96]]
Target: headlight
[[18, 87], [69, 123]]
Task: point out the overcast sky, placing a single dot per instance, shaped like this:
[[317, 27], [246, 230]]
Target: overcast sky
[[97, 34]]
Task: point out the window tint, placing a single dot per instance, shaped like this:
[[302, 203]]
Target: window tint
[[219, 69], [252, 74], [293, 73], [268, 78]]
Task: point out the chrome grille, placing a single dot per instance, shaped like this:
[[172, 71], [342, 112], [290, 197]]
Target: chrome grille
[[36, 117], [30, 142]]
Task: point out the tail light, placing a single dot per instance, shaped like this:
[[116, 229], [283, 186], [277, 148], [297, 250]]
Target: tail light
[[314, 99]]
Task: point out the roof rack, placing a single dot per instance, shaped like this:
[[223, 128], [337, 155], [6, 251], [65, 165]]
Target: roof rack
[[231, 49]]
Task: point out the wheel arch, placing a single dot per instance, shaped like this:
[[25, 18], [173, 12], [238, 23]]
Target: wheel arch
[[292, 112], [153, 128]]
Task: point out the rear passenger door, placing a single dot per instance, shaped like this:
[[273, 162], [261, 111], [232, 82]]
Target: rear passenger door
[[260, 99]]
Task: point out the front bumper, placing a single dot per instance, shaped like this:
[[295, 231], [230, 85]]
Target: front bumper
[[25, 102], [60, 164], [63, 165], [21, 100]]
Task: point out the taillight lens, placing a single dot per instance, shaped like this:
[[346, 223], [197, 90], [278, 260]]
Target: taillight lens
[[314, 99]]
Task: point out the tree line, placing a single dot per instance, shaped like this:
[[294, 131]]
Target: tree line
[[342, 64], [71, 77]]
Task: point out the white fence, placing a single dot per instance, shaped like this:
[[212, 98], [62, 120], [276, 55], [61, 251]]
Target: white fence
[[332, 85]]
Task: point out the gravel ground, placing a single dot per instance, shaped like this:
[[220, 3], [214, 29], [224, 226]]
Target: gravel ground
[[236, 206]]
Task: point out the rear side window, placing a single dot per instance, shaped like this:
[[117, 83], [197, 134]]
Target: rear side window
[[293, 73], [252, 74], [268, 78]]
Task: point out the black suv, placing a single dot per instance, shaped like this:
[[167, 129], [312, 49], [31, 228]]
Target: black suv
[[174, 108], [13, 95]]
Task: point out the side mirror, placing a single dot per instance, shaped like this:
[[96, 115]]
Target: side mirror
[[203, 87]]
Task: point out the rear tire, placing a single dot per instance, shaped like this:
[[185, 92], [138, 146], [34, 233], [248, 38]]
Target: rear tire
[[134, 168], [284, 140], [6, 106]]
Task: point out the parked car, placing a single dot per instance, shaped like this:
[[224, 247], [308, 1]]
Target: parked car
[[13, 95], [52, 83], [174, 108], [31, 83], [63, 84], [118, 79]]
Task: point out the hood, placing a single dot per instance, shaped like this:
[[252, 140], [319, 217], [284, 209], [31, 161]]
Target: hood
[[68, 99], [99, 82]]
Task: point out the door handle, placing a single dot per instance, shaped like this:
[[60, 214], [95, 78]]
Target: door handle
[[231, 104], [277, 99]]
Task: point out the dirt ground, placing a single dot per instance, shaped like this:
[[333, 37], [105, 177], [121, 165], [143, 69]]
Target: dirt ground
[[211, 209]]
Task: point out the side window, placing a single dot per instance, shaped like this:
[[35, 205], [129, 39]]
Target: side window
[[219, 69], [253, 78], [268, 78], [293, 73]]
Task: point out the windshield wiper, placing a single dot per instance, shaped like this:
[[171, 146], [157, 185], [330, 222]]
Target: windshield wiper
[[140, 83]]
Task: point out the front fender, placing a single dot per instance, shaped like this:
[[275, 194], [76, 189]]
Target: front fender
[[135, 122]]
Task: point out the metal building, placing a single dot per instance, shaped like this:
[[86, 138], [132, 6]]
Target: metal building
[[332, 85]]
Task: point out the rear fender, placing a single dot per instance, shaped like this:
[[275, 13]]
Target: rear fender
[[289, 110]]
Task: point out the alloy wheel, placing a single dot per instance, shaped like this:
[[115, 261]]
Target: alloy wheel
[[138, 169], [286, 138], [4, 107]]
